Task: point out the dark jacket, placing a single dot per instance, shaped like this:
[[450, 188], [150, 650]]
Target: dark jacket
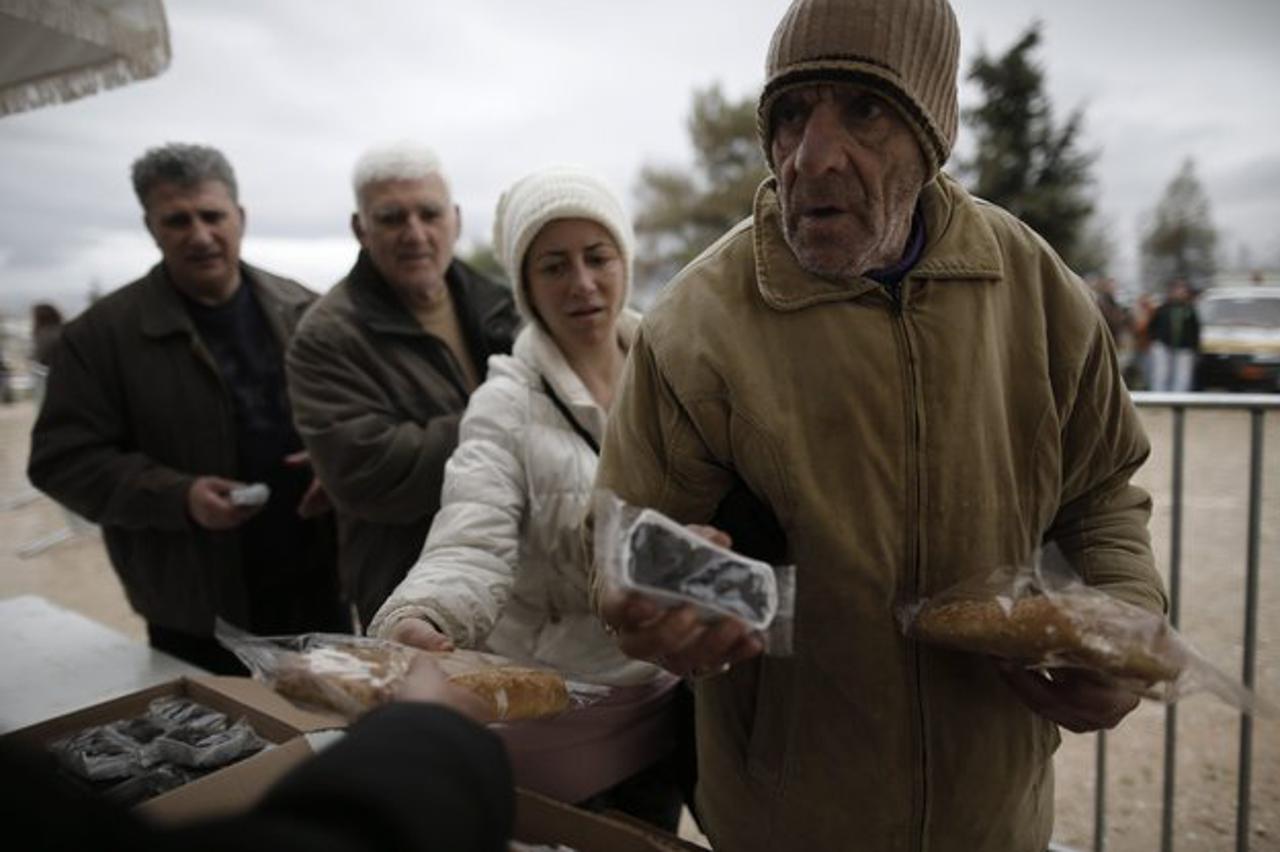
[[1176, 325], [377, 401], [136, 410], [406, 777]]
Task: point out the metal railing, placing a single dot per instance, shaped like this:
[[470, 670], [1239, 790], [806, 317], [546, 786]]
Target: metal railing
[[1178, 403]]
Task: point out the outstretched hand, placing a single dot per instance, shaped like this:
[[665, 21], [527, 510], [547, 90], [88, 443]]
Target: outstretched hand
[[426, 681], [676, 638], [1077, 699]]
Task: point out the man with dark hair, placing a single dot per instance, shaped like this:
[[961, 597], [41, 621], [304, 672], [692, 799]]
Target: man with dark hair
[[1175, 340], [381, 371], [165, 400], [913, 390]]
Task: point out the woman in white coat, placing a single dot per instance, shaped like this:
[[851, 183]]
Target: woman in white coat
[[504, 566]]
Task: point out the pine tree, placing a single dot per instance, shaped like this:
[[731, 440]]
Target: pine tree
[[1180, 240], [1025, 162], [682, 212]]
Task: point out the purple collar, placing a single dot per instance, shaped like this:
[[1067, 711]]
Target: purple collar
[[910, 257]]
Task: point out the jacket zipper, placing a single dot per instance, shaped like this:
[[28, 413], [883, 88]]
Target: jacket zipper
[[898, 293]]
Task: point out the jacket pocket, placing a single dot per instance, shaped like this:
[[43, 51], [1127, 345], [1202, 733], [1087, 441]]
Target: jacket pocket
[[771, 721]]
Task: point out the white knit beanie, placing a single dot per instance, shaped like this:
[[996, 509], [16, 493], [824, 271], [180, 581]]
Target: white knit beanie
[[559, 192]]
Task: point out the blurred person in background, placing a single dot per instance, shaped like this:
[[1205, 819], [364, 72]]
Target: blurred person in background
[[1144, 307], [46, 327], [381, 370], [1118, 319], [1174, 332], [168, 395], [504, 568]]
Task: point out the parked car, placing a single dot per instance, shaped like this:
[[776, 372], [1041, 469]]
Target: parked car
[[1240, 338]]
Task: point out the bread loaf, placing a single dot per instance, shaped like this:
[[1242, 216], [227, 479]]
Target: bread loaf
[[350, 679], [1092, 631], [513, 692]]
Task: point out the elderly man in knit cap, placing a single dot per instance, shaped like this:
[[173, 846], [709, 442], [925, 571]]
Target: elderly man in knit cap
[[381, 370], [896, 387]]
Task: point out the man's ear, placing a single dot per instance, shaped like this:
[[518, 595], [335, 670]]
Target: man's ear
[[457, 222], [244, 219], [357, 228]]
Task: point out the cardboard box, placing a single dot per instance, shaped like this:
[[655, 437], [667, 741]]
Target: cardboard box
[[226, 790], [238, 786], [543, 820]]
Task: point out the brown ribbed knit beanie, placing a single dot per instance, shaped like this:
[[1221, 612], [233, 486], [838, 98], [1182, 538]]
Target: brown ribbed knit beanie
[[908, 49]]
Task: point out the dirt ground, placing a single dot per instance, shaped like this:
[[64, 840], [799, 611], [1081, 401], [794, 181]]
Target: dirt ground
[[75, 574]]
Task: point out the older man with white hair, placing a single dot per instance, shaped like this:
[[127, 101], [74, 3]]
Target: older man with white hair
[[381, 369]]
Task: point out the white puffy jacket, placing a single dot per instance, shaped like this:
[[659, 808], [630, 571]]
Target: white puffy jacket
[[504, 567]]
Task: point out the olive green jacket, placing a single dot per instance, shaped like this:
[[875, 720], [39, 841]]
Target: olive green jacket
[[900, 446]]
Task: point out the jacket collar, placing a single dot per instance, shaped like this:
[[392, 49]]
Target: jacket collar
[[376, 304], [535, 347], [162, 311], [957, 247]]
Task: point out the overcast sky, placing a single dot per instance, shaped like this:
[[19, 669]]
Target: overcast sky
[[293, 90]]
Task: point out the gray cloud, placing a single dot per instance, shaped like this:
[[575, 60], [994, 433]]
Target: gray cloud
[[293, 90]]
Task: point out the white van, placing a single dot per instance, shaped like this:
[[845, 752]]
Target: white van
[[1240, 338]]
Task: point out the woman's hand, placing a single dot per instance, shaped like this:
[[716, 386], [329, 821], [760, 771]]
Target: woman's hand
[[420, 633]]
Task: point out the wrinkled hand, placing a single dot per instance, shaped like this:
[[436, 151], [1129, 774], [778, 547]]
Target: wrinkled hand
[[426, 681], [315, 502], [1077, 699], [677, 639], [209, 505], [420, 634]]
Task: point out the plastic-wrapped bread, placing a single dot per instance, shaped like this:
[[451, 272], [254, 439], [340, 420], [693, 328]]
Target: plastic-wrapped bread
[[1092, 631], [349, 678], [514, 692]]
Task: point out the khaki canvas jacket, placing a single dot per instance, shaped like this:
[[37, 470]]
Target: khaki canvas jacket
[[135, 410], [377, 401], [899, 446]]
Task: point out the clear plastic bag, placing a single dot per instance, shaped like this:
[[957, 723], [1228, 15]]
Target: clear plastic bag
[[515, 690], [642, 550], [334, 672], [174, 711], [175, 740], [1044, 616], [204, 748], [94, 754], [351, 675]]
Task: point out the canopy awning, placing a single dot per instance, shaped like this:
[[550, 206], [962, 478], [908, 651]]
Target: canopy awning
[[53, 51]]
